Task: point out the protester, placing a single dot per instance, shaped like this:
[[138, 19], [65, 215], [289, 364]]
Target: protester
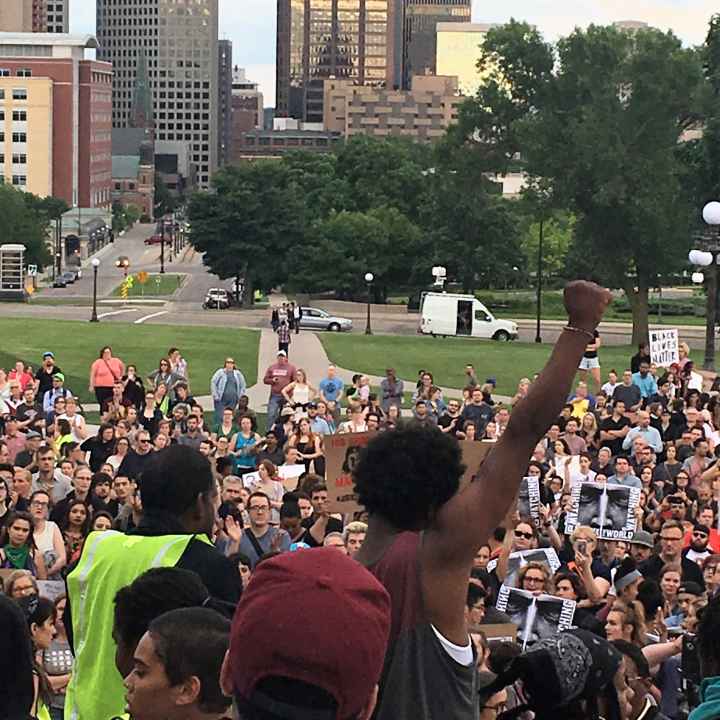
[[17, 692], [179, 503], [275, 669]]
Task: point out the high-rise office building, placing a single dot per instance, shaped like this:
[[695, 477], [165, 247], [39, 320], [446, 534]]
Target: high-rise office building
[[180, 41], [318, 39], [225, 110], [44, 16], [419, 33]]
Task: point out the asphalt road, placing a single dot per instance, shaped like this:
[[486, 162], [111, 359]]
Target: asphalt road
[[185, 307]]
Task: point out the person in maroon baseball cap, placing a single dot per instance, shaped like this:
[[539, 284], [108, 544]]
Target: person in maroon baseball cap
[[308, 639], [423, 532]]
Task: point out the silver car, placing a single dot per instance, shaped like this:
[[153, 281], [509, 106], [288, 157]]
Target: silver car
[[316, 319]]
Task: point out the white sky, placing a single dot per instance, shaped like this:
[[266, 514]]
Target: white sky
[[250, 24]]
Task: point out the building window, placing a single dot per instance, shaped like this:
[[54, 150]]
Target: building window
[[19, 137], [19, 116], [19, 94], [19, 180], [2, 94], [4, 72], [2, 158], [19, 159], [24, 72]]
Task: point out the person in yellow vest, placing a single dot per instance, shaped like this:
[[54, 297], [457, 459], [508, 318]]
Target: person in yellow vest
[[176, 667], [180, 501]]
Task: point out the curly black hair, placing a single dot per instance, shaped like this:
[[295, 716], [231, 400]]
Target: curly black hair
[[406, 474]]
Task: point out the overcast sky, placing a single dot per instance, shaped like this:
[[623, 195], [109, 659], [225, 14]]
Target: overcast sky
[[250, 24]]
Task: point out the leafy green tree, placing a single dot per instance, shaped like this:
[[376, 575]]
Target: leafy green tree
[[25, 225], [251, 226], [602, 128], [558, 233]]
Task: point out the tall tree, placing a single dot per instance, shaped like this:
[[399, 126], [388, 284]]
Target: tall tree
[[248, 226], [603, 127], [23, 223]]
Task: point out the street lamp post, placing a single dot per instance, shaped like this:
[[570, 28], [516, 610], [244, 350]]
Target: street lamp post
[[162, 247], [95, 265], [369, 277], [538, 336], [707, 257]]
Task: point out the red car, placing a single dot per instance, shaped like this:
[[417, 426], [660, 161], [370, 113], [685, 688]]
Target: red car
[[154, 240]]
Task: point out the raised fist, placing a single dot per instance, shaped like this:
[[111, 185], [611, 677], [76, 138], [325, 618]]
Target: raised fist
[[585, 303]]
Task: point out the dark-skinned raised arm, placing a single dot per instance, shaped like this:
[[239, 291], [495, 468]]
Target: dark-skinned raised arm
[[466, 521]]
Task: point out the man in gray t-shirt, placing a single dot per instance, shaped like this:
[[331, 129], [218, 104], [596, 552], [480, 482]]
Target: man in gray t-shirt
[[260, 537]]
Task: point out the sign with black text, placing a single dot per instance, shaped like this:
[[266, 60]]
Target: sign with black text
[[664, 349], [610, 510]]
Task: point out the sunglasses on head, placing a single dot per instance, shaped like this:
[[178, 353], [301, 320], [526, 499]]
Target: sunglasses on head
[[521, 534]]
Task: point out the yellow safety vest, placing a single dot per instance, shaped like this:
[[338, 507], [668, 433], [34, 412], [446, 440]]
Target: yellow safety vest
[[110, 560]]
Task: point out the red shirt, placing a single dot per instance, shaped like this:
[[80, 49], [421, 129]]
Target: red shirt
[[713, 544], [285, 374]]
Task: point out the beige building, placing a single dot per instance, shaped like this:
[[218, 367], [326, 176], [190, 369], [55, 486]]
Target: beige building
[[458, 52], [424, 112], [27, 111], [43, 16]]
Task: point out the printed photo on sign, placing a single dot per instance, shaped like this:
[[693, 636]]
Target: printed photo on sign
[[520, 558], [343, 451], [664, 350], [536, 616], [610, 510], [528, 505]]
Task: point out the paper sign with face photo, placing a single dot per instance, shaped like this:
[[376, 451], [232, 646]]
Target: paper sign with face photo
[[528, 505], [610, 510], [343, 451], [537, 617], [520, 558], [51, 589]]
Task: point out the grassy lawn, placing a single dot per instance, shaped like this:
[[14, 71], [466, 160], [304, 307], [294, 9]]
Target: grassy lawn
[[76, 346], [168, 284], [446, 358]]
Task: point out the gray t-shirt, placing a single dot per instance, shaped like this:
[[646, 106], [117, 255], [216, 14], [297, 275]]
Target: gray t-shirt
[[265, 543]]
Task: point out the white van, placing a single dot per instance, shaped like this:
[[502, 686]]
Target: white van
[[448, 314]]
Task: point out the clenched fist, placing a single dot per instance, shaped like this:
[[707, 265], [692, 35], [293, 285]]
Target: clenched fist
[[585, 303]]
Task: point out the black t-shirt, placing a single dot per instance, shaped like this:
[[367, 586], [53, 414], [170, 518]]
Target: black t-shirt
[[445, 420], [34, 413], [629, 394], [45, 379], [334, 525], [690, 570], [609, 424], [592, 353]]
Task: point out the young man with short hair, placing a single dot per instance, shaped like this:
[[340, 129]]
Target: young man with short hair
[[176, 667], [260, 538], [423, 534]]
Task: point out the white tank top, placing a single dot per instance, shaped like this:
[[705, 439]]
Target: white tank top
[[44, 540], [301, 394]]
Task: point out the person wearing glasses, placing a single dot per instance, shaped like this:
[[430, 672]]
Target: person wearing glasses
[[180, 501], [261, 538], [671, 545], [48, 538], [136, 460]]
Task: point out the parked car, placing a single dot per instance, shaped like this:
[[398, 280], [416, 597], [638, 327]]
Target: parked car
[[217, 299], [70, 276], [154, 240], [60, 281], [75, 271], [316, 319]]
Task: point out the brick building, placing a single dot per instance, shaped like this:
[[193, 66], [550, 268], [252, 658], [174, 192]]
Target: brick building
[[56, 117]]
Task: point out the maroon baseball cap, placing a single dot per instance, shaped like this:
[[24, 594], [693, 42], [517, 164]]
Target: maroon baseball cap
[[315, 616]]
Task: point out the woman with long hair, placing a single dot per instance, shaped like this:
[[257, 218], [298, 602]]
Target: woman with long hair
[[162, 399], [309, 447], [164, 375], [535, 577], [272, 486], [6, 502], [40, 615], [57, 661], [18, 550], [299, 392], [75, 527], [626, 621], [100, 447], [133, 387], [244, 446], [122, 448], [48, 538], [151, 415], [590, 432], [668, 470], [104, 373]]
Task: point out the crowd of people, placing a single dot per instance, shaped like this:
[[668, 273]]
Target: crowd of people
[[167, 565]]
